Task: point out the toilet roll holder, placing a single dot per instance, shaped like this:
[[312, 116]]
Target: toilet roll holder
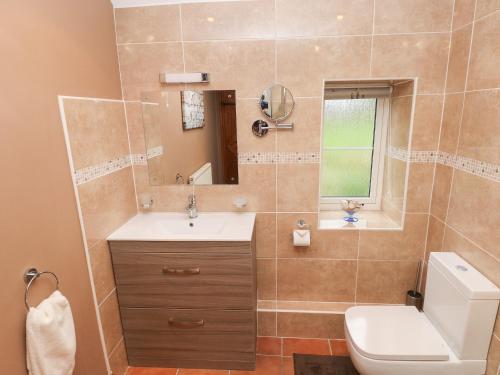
[[301, 224]]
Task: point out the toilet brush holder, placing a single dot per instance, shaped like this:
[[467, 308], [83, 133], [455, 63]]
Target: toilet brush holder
[[414, 298]]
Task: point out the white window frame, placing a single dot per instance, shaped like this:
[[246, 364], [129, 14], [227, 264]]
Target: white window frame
[[373, 202]]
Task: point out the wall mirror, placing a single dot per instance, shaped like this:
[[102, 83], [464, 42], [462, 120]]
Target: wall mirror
[[190, 137], [276, 103]]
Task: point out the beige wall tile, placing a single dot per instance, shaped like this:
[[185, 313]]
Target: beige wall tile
[[228, 20], [459, 58], [102, 270], [493, 364], [483, 262], [266, 279], [496, 330], [485, 7], [91, 125], [427, 121], [323, 17], [248, 111], [450, 126], [485, 54], [111, 323], [141, 65], [233, 65], [394, 184], [118, 360], [463, 13], [135, 128], [435, 235], [418, 55], [396, 245], [107, 202], [257, 183], [325, 244], [297, 187], [479, 135], [400, 118], [306, 134], [148, 24], [472, 210], [419, 187], [265, 227], [407, 16], [165, 198], [403, 88], [316, 280], [266, 323], [310, 325], [441, 191], [325, 58], [385, 281]]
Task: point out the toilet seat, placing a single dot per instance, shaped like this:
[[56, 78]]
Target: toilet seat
[[399, 333], [399, 340]]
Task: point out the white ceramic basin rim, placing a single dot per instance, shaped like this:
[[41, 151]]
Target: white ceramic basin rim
[[165, 226]]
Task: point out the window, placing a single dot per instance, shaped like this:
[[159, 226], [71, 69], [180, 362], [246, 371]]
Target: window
[[353, 144]]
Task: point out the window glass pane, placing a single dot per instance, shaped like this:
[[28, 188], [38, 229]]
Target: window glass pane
[[349, 123], [346, 173]]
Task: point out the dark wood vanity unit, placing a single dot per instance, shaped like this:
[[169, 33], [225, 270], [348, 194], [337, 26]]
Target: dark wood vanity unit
[[187, 304]]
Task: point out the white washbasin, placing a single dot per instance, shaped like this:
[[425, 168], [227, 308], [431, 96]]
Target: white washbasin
[[168, 226]]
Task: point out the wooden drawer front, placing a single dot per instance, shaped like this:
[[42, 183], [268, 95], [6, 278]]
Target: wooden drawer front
[[208, 247], [184, 280], [154, 334]]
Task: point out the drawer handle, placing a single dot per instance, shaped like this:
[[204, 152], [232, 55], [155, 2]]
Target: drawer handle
[[185, 324], [181, 271]]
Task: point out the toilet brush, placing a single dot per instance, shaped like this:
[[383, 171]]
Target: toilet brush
[[413, 297]]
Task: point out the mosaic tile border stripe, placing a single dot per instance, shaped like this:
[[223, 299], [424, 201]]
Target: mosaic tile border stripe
[[412, 156], [91, 173], [472, 166], [462, 163], [278, 157]]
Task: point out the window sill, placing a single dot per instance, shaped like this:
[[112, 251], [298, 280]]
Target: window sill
[[368, 220]]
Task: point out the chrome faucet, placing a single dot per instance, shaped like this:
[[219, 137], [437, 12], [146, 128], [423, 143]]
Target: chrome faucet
[[191, 207]]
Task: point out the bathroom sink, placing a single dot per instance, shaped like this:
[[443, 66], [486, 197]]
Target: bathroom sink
[[166, 226]]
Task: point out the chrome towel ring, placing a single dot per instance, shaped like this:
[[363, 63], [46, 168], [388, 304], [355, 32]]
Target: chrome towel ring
[[30, 276]]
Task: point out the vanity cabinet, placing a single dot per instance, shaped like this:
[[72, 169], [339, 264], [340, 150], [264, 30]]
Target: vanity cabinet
[[187, 304]]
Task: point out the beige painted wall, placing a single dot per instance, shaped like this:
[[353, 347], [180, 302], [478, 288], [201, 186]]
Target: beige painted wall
[[48, 48]]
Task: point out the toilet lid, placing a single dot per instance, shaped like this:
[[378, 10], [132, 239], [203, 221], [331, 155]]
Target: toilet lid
[[394, 333]]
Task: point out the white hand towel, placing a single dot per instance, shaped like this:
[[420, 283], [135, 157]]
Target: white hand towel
[[50, 337]]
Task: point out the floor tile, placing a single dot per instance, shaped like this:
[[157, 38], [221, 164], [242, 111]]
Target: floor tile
[[184, 371], [151, 371], [287, 366], [266, 365], [339, 348], [306, 346], [269, 345]]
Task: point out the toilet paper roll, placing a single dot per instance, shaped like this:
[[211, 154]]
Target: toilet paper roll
[[301, 237]]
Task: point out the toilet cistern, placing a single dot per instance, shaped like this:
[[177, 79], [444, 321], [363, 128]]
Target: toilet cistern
[[191, 208]]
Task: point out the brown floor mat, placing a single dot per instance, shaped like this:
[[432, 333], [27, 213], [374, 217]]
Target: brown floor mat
[[305, 364]]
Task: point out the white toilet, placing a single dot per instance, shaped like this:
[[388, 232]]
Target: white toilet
[[450, 337]]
